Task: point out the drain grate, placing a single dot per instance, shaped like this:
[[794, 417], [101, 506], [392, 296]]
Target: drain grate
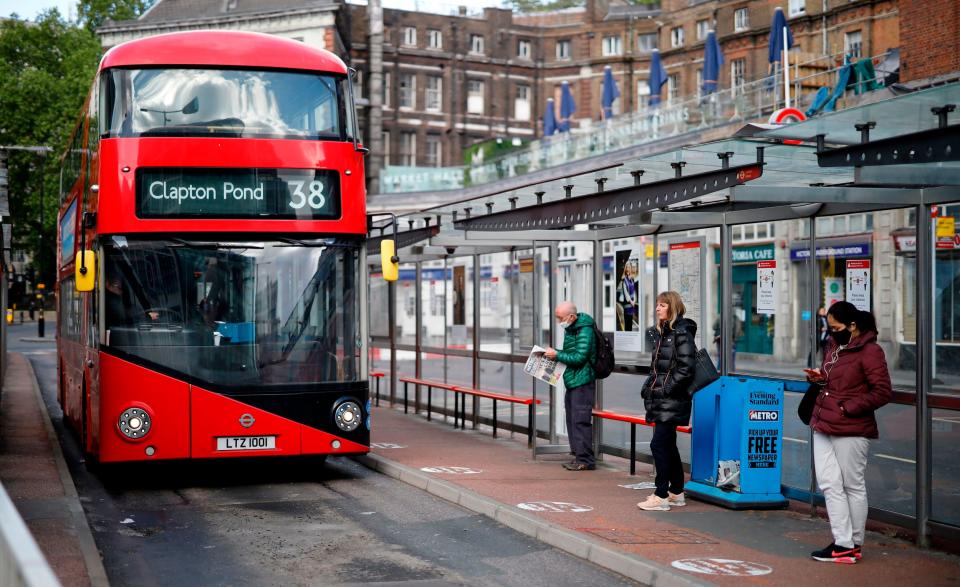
[[649, 536]]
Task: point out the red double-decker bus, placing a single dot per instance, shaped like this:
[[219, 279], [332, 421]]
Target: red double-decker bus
[[212, 264]]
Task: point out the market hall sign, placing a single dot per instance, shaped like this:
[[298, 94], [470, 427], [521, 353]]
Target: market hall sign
[[193, 192]]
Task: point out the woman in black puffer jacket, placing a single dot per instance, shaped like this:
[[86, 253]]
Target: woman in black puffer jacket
[[667, 398]]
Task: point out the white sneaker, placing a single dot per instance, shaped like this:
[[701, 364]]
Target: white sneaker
[[654, 504], [676, 500]]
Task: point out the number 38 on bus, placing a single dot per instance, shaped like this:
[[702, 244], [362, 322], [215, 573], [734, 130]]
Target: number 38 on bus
[[212, 253]]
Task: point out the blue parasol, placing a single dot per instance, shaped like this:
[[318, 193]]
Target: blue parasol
[[567, 107], [610, 93], [658, 77], [775, 44], [712, 60], [549, 119]]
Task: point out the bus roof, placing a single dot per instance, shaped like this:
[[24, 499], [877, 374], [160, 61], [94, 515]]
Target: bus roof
[[222, 48]]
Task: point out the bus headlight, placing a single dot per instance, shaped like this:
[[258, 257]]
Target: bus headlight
[[134, 423], [348, 415]]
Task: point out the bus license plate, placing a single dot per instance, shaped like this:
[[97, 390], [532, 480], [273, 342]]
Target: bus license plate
[[246, 442]]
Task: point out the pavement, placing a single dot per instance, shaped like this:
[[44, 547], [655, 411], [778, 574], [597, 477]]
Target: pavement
[[593, 515], [34, 473], [590, 514]]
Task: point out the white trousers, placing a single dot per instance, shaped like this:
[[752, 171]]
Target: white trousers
[[841, 463]]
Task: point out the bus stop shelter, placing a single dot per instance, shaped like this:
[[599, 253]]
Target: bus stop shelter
[[757, 232]]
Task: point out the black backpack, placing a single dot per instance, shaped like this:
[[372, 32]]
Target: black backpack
[[604, 364]]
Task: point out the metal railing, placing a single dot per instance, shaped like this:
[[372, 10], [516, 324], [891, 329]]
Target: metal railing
[[751, 101], [21, 562]]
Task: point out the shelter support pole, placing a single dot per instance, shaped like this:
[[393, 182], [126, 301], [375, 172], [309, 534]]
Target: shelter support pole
[[813, 274], [726, 297], [475, 356], [392, 325], [598, 317], [926, 355], [554, 273], [418, 338]]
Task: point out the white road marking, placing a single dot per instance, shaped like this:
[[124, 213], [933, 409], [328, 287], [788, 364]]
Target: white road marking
[[893, 458], [800, 440]]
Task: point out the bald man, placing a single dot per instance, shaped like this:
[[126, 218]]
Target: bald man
[[579, 355]]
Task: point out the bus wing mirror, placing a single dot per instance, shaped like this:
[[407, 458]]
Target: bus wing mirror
[[86, 270], [389, 260]]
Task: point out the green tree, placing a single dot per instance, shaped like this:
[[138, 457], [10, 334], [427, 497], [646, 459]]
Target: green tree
[[93, 13], [46, 68]]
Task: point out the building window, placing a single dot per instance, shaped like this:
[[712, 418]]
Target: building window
[[521, 105], [676, 37], [386, 147], [475, 96], [358, 86], [797, 7], [643, 94], [409, 36], [476, 44], [434, 39], [563, 49], [434, 157], [741, 19], [432, 95], [646, 42], [853, 44], [408, 149], [738, 68], [524, 49], [386, 89], [612, 46], [673, 87], [408, 91], [702, 27]]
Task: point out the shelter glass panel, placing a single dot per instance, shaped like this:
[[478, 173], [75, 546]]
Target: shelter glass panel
[[946, 469], [771, 318], [379, 319], [495, 301], [433, 291], [407, 304], [459, 322]]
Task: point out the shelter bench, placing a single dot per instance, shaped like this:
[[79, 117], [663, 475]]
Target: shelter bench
[[496, 397], [633, 421], [429, 384], [377, 375]]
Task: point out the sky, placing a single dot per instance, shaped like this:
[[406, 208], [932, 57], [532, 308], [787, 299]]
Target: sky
[[29, 9]]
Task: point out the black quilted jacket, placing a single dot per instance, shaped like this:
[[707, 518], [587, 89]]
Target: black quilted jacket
[[665, 393]]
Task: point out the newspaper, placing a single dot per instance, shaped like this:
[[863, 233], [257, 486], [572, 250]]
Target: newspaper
[[542, 368]]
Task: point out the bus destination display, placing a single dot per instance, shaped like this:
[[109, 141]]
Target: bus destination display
[[188, 192]]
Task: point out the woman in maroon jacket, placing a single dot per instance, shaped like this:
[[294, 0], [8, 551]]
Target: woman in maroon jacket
[[855, 382]]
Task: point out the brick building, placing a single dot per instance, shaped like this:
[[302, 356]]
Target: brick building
[[451, 81]]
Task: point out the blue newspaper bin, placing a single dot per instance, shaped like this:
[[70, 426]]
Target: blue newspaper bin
[[738, 421]]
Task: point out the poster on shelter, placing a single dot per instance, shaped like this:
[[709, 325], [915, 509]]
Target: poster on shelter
[[858, 283], [459, 295], [684, 277], [832, 291], [627, 336], [766, 287], [527, 295]]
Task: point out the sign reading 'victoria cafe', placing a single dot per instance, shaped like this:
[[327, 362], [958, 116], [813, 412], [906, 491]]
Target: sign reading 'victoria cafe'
[[191, 192]]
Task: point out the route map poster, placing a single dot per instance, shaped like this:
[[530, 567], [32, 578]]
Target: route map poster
[[685, 277]]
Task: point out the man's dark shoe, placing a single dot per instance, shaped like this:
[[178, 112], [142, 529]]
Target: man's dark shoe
[[836, 554], [578, 466]]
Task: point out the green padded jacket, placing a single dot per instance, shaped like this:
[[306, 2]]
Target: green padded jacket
[[578, 352]]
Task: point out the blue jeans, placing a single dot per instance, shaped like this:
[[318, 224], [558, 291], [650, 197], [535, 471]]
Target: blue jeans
[[578, 403]]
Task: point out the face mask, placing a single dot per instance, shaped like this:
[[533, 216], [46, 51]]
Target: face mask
[[567, 323], [841, 336]]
